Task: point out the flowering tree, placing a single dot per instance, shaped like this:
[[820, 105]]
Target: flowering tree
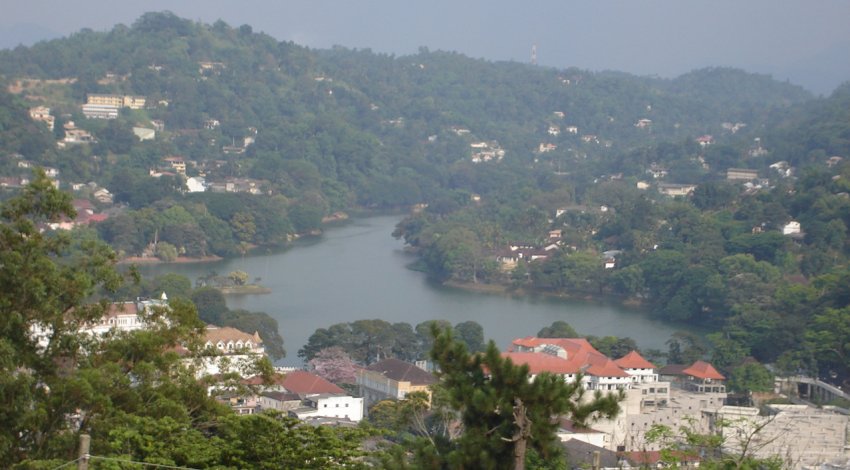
[[334, 365]]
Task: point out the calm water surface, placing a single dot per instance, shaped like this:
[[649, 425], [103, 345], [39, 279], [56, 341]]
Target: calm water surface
[[358, 271]]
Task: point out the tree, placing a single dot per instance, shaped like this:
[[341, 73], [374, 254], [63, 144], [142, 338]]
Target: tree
[[612, 346], [49, 372], [751, 377], [262, 323], [828, 339], [684, 348], [558, 329], [166, 251], [407, 415], [334, 365], [504, 414], [210, 304], [471, 334], [734, 444], [238, 278]]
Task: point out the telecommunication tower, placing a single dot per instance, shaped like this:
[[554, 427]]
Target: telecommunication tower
[[534, 54]]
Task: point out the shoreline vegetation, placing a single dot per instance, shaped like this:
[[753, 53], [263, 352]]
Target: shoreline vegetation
[[249, 289], [518, 291]]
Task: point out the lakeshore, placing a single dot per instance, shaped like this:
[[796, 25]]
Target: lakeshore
[[148, 260], [357, 270]]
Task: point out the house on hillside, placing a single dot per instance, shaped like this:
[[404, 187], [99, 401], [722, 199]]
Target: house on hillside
[[673, 190], [42, 114], [741, 174]]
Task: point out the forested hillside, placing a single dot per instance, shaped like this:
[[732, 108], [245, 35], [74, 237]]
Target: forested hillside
[[493, 154]]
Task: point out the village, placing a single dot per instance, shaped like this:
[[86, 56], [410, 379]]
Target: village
[[676, 396]]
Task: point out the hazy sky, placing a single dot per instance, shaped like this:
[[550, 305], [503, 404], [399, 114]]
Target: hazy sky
[[806, 41]]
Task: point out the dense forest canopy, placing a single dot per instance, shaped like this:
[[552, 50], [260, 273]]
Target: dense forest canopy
[[495, 154]]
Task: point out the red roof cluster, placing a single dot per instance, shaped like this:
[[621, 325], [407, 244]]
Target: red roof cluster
[[581, 357]]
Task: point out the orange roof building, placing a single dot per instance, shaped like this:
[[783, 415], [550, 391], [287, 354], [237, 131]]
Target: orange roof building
[[639, 368], [568, 357], [703, 370], [305, 383]]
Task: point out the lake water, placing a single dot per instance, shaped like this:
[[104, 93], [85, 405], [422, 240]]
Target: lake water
[[359, 271]]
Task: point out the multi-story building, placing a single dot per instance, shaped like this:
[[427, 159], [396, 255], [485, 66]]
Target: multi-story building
[[392, 379], [118, 101], [689, 398], [118, 316], [100, 111], [42, 114]]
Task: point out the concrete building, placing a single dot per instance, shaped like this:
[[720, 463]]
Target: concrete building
[[741, 174], [649, 399], [100, 111], [42, 114], [392, 379], [330, 405], [801, 435], [671, 189], [118, 101]]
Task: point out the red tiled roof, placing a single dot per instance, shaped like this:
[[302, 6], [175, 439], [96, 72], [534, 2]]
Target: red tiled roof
[[540, 362], [703, 370], [581, 356], [633, 360], [572, 346], [303, 382], [606, 369], [276, 379], [94, 218]]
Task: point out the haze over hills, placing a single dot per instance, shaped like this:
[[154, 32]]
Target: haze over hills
[[717, 199], [666, 38]]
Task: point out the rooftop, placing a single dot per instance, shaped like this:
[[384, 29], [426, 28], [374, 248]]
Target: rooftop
[[401, 371]]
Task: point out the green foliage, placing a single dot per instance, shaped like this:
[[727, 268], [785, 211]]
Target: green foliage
[[128, 390], [166, 252], [367, 341], [502, 412], [751, 377], [558, 329]]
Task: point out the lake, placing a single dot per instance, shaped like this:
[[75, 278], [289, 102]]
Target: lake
[[359, 271]]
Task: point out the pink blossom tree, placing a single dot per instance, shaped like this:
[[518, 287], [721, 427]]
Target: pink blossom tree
[[334, 365]]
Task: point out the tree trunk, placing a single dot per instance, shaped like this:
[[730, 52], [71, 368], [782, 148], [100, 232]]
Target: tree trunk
[[523, 432]]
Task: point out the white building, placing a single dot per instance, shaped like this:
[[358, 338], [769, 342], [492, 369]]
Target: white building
[[196, 184], [328, 405], [791, 228]]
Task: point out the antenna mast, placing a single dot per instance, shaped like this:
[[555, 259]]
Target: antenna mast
[[534, 54]]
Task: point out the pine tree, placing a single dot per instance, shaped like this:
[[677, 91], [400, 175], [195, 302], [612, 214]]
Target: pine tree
[[503, 414]]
